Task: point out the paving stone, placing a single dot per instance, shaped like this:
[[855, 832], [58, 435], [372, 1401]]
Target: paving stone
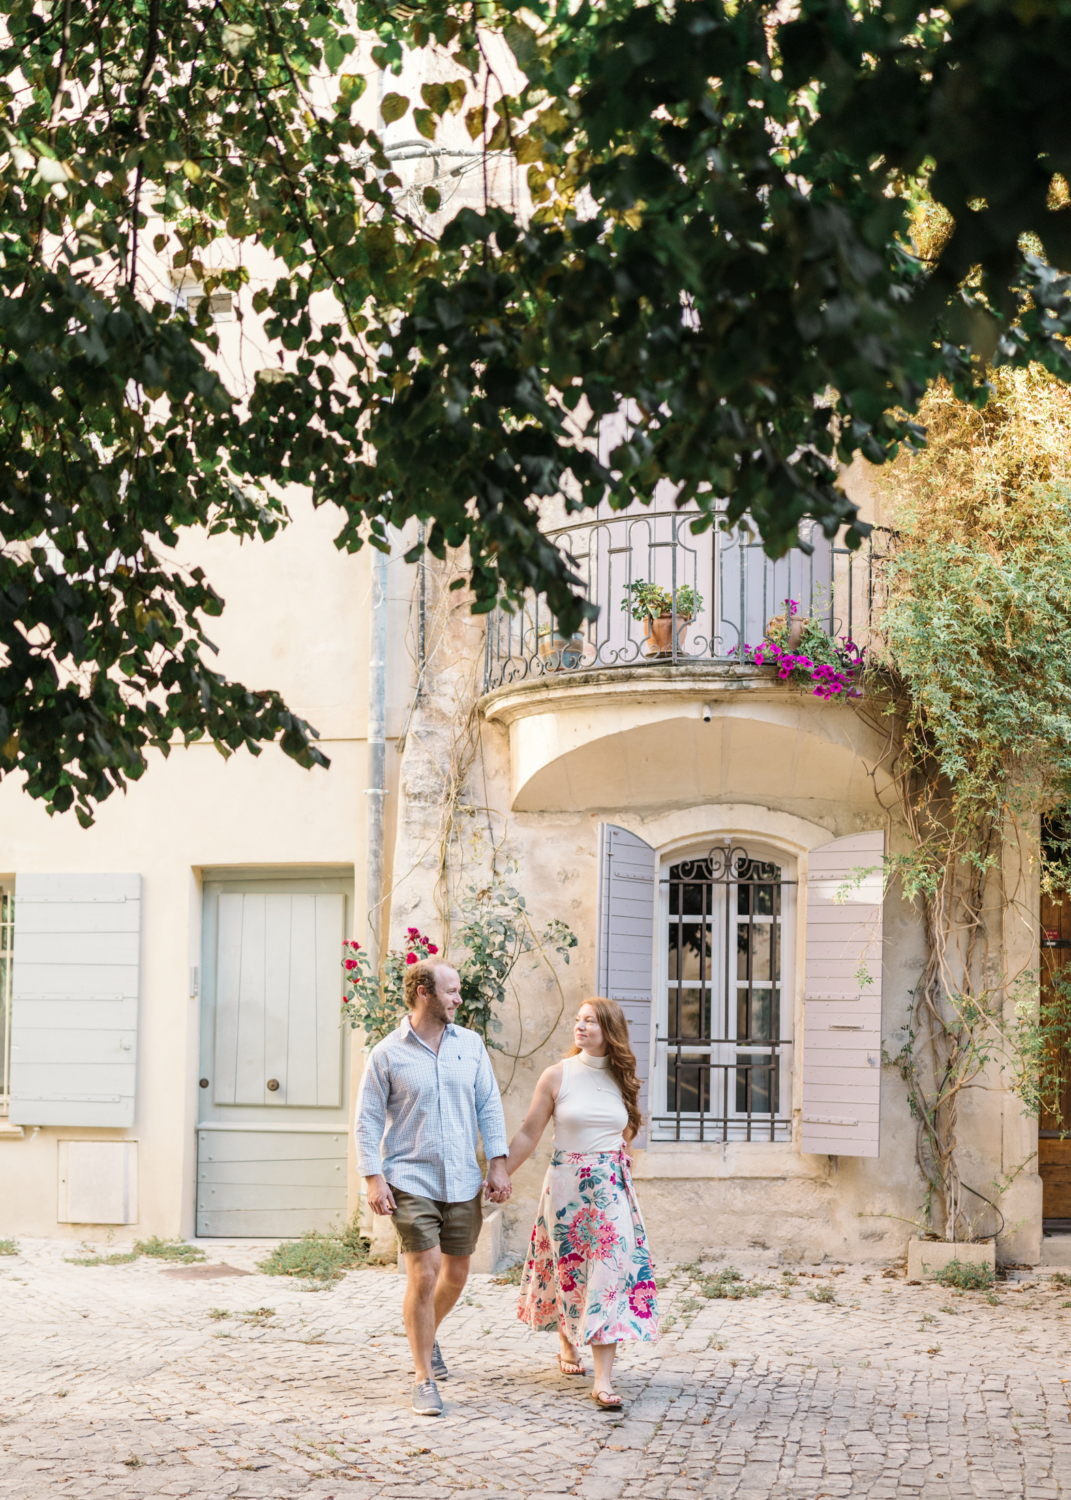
[[774, 1397]]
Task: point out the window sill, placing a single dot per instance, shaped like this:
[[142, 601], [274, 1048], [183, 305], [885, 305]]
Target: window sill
[[9, 1132], [677, 1161]]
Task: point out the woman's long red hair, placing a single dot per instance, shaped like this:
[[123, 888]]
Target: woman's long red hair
[[622, 1064]]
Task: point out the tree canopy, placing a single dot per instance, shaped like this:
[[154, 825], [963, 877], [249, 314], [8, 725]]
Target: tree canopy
[[717, 243]]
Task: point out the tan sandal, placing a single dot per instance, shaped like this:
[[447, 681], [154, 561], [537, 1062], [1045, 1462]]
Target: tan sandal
[[606, 1401], [562, 1362]]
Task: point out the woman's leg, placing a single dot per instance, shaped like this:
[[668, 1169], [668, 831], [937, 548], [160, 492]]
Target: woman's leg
[[603, 1355], [571, 1356]]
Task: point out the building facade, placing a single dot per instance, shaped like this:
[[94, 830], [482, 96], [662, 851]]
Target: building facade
[[175, 1060]]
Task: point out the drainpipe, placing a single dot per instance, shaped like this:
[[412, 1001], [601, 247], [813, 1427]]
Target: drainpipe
[[376, 790]]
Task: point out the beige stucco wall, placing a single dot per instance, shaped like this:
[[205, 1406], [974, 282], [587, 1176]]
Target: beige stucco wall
[[297, 619]]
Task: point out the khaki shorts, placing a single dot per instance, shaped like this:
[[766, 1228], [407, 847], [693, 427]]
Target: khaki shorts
[[423, 1223]]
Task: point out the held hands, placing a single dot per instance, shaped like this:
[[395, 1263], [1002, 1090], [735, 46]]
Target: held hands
[[380, 1197], [498, 1187]]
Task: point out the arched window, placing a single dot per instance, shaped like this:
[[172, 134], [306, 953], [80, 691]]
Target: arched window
[[723, 1043]]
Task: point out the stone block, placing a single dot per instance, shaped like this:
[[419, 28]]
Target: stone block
[[1056, 1252], [926, 1257], [491, 1246]]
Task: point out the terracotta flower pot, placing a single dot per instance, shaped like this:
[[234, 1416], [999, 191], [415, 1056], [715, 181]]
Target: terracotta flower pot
[[658, 634], [793, 629], [558, 652]]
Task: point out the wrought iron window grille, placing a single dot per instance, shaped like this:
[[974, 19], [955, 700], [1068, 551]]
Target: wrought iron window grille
[[725, 1058]]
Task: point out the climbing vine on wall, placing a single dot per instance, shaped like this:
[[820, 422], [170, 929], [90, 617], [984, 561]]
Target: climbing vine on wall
[[977, 675]]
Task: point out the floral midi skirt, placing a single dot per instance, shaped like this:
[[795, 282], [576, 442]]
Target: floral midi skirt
[[588, 1270]]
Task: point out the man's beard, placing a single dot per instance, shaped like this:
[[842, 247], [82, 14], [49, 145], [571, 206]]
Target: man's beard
[[437, 1011]]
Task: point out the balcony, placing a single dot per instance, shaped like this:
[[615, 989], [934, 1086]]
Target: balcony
[[720, 586]]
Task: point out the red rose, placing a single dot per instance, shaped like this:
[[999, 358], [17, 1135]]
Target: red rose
[[432, 948], [410, 958], [351, 963]]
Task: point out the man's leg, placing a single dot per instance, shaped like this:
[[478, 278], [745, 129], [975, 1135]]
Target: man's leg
[[419, 1310], [453, 1273]]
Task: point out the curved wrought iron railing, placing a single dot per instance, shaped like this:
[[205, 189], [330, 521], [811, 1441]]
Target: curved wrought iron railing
[[738, 589]]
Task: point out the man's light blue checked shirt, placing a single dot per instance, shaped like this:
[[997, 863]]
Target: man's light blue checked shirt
[[418, 1111]]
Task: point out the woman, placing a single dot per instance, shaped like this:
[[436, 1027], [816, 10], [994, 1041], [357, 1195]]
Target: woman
[[588, 1273]]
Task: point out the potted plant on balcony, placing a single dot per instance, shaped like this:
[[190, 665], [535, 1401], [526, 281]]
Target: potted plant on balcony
[[652, 606], [803, 652], [559, 651]]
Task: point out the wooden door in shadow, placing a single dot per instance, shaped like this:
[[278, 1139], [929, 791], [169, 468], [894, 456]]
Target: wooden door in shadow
[[1054, 1151]]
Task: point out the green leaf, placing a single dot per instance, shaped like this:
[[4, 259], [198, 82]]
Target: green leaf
[[352, 86], [393, 107], [424, 120], [432, 200]]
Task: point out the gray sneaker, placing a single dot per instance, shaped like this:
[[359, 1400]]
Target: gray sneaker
[[426, 1399], [438, 1364]]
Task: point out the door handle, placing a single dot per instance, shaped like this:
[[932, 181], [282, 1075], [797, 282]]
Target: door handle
[[273, 1084]]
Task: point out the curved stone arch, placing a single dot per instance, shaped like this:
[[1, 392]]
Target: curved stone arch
[[662, 737], [682, 761]]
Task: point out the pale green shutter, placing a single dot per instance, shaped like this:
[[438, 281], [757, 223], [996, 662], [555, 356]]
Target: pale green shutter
[[75, 999]]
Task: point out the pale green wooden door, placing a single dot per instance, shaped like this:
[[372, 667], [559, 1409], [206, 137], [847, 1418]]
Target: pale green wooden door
[[272, 1129]]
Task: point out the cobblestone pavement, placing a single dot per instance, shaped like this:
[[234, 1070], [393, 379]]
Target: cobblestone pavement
[[123, 1381]]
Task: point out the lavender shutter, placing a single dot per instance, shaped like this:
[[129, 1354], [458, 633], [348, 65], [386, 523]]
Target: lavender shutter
[[842, 997], [628, 883]]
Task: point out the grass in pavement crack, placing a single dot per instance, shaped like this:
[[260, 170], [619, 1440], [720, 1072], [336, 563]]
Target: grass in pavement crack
[[316, 1257]]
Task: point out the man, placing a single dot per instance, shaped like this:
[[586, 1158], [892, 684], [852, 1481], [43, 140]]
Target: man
[[425, 1089]]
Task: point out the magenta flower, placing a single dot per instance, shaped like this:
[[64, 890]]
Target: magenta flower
[[641, 1299]]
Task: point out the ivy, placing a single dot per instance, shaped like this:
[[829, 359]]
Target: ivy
[[494, 931], [976, 675]]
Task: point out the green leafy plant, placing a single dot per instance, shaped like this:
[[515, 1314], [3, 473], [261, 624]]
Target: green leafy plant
[[729, 1283], [494, 931], [179, 1250], [976, 672], [317, 1257], [645, 600], [511, 1277], [965, 1276], [9, 1247], [833, 667], [154, 1247], [118, 1258], [374, 1002], [823, 1294]]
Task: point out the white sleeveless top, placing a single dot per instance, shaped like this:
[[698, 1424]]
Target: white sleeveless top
[[589, 1112]]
